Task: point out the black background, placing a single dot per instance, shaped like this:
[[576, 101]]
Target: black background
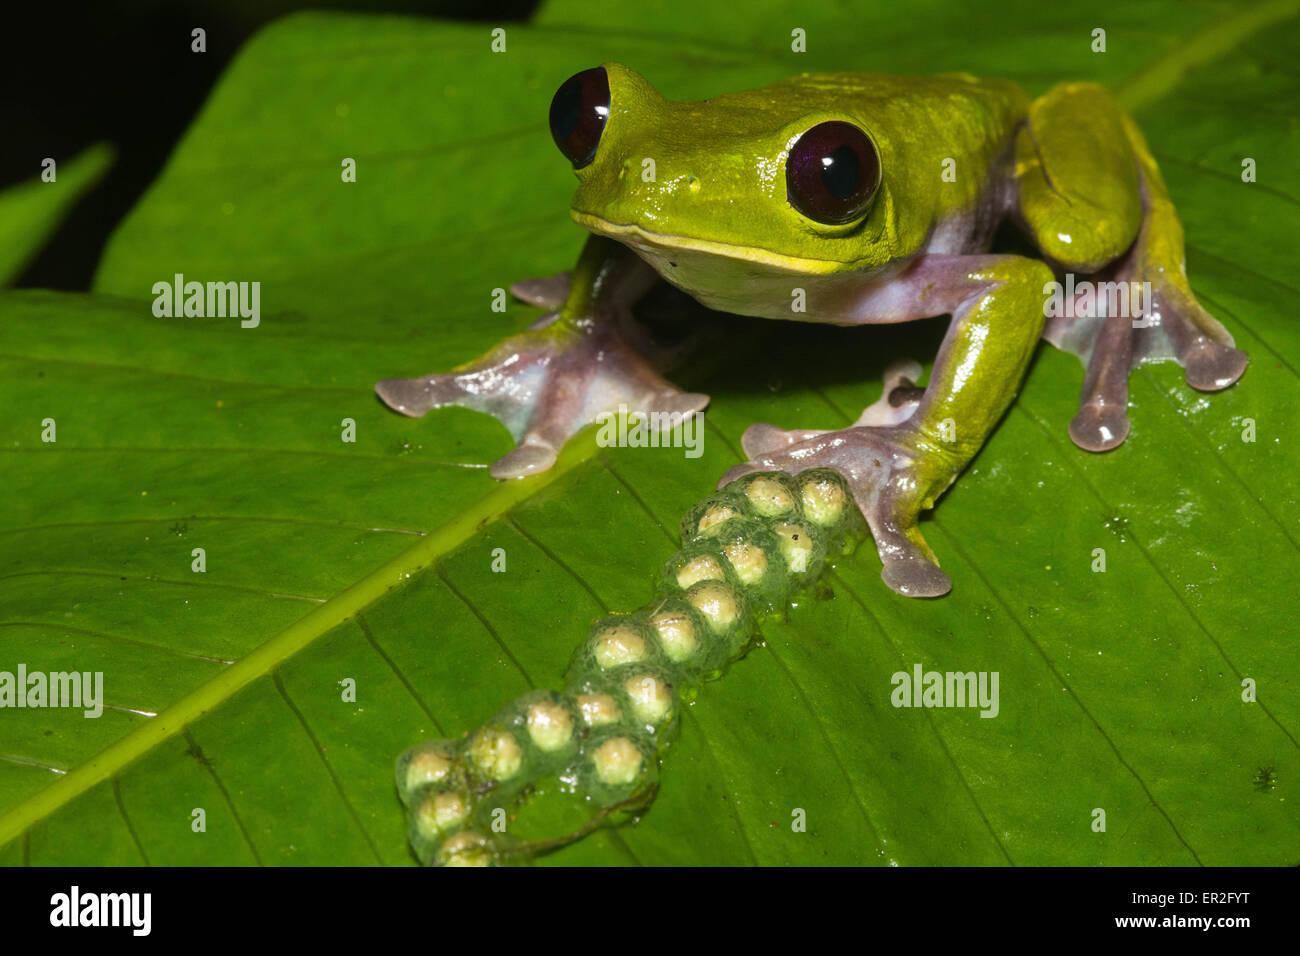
[[902, 910]]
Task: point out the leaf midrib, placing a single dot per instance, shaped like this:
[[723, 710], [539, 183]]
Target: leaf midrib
[[284, 645]]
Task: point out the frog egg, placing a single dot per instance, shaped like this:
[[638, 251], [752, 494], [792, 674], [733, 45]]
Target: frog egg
[[598, 710], [496, 753], [752, 556], [550, 726], [618, 761], [676, 632], [698, 561], [717, 601], [797, 546], [703, 567], [651, 697], [715, 516], [770, 493], [717, 509], [824, 497], [440, 813], [466, 848], [427, 764], [748, 560], [616, 642]]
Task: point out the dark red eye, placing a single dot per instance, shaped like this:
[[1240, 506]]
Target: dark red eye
[[578, 114], [832, 173]]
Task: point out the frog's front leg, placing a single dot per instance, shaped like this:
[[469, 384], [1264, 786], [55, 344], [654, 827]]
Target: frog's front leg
[[898, 470], [549, 382]]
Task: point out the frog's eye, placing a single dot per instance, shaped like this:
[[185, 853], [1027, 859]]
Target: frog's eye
[[832, 172], [578, 115]]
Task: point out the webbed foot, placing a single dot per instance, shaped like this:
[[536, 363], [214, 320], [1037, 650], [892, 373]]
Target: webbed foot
[[545, 386], [1171, 326], [572, 365], [891, 480]]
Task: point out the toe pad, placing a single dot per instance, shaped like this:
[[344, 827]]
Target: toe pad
[[1099, 427]]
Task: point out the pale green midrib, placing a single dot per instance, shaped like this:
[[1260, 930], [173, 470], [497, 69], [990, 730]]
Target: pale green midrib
[[1154, 81], [1159, 77], [267, 656]]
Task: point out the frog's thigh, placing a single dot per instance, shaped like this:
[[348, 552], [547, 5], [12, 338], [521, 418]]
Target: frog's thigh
[[1079, 189]]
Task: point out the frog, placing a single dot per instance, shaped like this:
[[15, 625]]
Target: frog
[[868, 199]]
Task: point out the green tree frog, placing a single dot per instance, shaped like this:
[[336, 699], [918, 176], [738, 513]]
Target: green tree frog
[[877, 197]]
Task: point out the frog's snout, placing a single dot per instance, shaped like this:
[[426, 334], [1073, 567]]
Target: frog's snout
[[646, 175]]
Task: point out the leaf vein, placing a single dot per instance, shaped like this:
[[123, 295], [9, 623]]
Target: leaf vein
[[146, 579], [329, 769], [117, 638], [1155, 566], [365, 629], [194, 748]]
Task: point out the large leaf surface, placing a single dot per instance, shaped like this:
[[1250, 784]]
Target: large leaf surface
[[371, 561]]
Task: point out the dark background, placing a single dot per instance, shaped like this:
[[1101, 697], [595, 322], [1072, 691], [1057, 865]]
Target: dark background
[[78, 73]]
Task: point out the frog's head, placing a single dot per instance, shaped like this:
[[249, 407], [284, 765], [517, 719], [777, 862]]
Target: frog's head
[[777, 181]]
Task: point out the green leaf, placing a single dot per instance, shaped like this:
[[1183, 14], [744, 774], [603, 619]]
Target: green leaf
[[30, 212], [370, 561]]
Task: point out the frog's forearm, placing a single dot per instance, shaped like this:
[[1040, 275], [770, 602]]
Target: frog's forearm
[[897, 471], [997, 308], [996, 303], [746, 550], [607, 273]]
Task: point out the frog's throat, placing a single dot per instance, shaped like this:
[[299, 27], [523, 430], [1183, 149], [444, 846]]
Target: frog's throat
[[638, 238]]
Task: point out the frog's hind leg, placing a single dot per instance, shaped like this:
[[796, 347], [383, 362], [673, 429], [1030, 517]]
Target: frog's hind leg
[[1106, 345], [900, 397], [1176, 321], [898, 401], [1091, 195]]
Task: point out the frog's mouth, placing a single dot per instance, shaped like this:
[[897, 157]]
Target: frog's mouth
[[664, 252], [746, 280]]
